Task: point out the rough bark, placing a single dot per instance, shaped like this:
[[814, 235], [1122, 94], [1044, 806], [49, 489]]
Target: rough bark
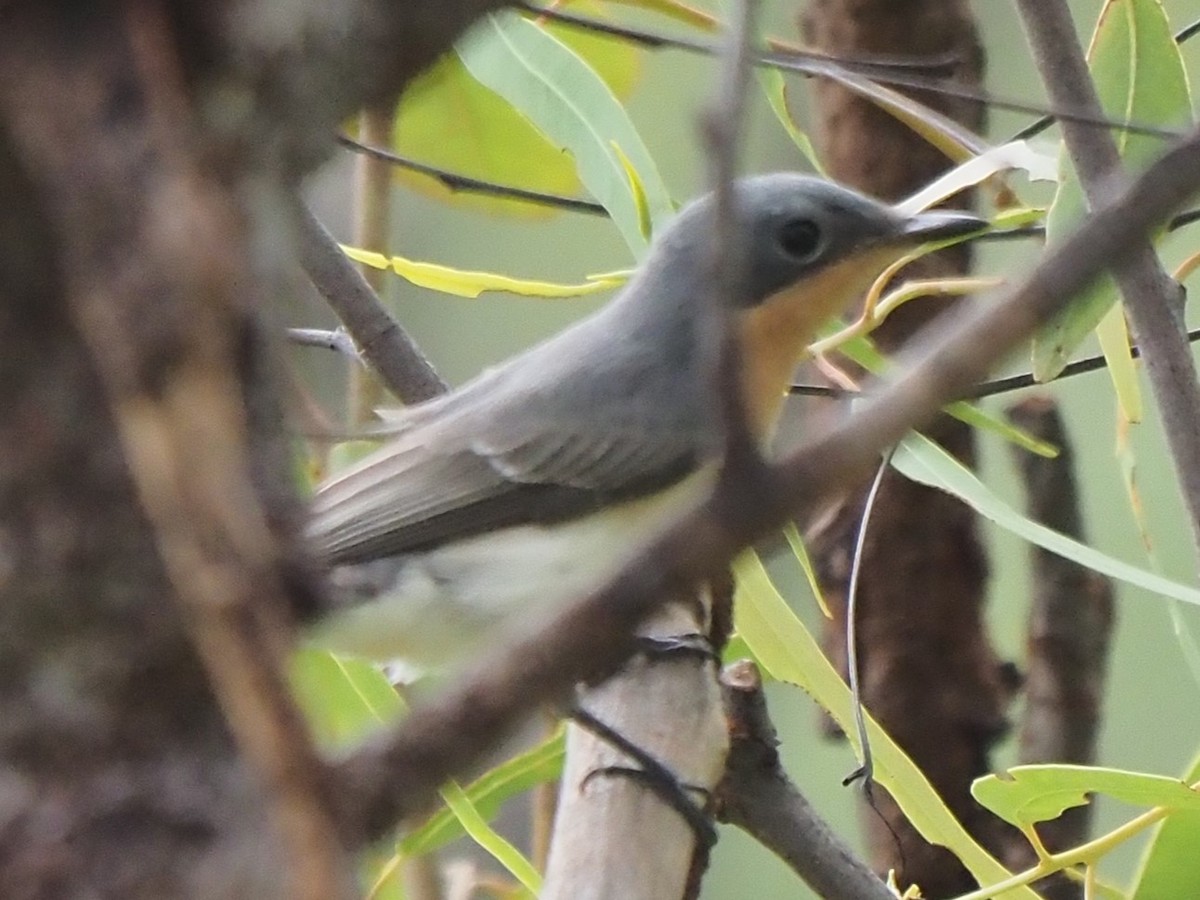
[[928, 671], [146, 151]]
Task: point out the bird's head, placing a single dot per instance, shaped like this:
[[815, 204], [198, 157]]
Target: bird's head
[[810, 248]]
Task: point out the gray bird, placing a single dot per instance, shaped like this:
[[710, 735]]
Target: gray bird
[[528, 486]]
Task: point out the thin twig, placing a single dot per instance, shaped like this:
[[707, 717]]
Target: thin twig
[[997, 385], [382, 340], [866, 769], [372, 225], [1033, 129], [337, 340], [1153, 300], [883, 71], [456, 181], [720, 128]]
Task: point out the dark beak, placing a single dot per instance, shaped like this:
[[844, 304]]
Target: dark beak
[[939, 224]]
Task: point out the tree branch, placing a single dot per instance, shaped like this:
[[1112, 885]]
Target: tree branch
[[382, 340], [1153, 300], [396, 777], [757, 795]]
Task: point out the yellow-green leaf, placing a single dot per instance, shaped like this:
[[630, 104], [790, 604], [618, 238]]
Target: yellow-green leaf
[[775, 89], [1114, 344], [572, 106], [466, 283], [1168, 869], [786, 649], [1026, 795], [447, 118]]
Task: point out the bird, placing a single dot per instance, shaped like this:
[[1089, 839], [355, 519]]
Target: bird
[[497, 503]]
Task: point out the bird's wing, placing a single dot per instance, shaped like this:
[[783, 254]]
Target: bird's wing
[[428, 487]]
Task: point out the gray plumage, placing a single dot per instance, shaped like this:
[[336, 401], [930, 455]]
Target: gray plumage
[[529, 484], [594, 414]]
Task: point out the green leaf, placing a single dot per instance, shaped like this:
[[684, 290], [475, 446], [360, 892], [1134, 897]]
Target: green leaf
[[1114, 344], [862, 351], [488, 793], [775, 88], [1026, 795], [788, 652], [1139, 75], [796, 542], [923, 461], [491, 840], [986, 421], [1168, 868], [572, 106], [344, 699], [447, 118], [466, 283]]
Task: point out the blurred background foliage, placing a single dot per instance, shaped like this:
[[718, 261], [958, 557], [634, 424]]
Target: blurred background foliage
[[1151, 715]]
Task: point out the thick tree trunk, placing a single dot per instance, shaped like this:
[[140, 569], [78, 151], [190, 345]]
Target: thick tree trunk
[[147, 149], [929, 673]]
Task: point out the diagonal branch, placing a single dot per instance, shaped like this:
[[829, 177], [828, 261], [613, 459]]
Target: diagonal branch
[[1153, 300], [757, 795], [382, 340], [397, 776]]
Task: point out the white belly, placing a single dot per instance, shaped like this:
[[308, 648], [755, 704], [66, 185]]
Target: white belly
[[468, 595]]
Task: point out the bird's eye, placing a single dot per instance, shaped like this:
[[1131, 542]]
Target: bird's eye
[[800, 239]]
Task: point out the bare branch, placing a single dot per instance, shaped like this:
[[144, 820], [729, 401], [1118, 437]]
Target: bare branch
[[1153, 300], [382, 340], [615, 837], [757, 795], [396, 777], [721, 128]]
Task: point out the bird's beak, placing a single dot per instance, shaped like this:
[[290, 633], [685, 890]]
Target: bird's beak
[[939, 224]]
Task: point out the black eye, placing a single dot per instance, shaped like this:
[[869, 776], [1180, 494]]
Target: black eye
[[800, 239]]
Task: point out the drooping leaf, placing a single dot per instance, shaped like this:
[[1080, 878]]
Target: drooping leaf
[[1026, 795], [447, 118], [488, 793], [923, 461], [573, 107], [796, 542], [501, 849], [465, 283], [788, 652], [775, 89], [1139, 76], [680, 12], [345, 698]]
